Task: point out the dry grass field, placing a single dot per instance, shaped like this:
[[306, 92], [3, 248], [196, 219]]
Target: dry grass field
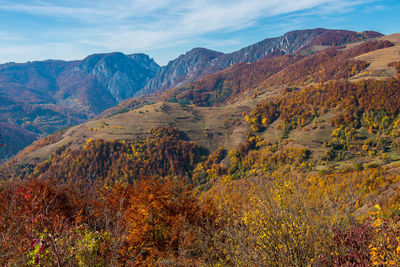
[[379, 60]]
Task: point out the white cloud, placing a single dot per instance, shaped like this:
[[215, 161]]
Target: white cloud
[[141, 25]]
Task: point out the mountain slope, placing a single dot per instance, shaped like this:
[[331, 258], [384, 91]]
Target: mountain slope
[[226, 86], [197, 62], [186, 68]]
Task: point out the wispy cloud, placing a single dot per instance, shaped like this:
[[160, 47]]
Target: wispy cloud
[[7, 36], [140, 25]]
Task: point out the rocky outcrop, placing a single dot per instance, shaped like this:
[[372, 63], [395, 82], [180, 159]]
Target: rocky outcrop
[[121, 75], [186, 68]]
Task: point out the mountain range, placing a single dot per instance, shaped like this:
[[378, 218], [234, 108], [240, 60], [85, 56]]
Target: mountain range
[[39, 98]]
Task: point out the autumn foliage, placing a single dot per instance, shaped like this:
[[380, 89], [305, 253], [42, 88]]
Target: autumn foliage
[[354, 98], [265, 208], [165, 152], [222, 87], [228, 84], [45, 224], [330, 64]]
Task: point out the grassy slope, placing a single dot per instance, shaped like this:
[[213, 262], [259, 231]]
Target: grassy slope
[[379, 60], [203, 125]]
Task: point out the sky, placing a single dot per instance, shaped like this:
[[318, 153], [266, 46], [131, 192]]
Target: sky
[[72, 29]]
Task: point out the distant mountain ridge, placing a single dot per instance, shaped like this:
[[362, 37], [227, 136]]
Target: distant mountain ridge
[[41, 97], [198, 62], [186, 68]]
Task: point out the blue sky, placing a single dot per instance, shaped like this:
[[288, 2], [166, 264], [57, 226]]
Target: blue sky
[[164, 29]]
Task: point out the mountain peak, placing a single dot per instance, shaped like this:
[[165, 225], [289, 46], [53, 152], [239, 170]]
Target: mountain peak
[[197, 54], [202, 50], [145, 61]]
